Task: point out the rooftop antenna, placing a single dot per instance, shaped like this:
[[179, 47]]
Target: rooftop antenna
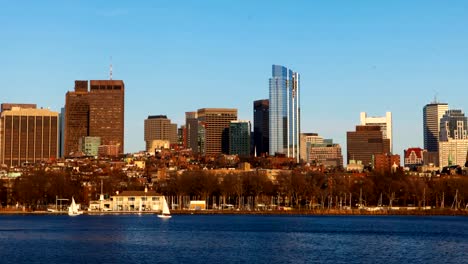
[[111, 68], [435, 97]]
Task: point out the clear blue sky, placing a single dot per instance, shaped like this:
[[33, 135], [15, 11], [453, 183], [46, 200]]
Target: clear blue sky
[[178, 56]]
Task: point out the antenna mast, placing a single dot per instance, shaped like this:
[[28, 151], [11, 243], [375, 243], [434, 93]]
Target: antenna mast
[[111, 68]]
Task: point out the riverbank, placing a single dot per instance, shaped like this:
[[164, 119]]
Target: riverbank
[[330, 212]]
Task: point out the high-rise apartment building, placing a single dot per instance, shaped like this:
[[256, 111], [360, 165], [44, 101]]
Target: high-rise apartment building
[[284, 112], [216, 123], [239, 138], [453, 140], [96, 111], [159, 127], [384, 122], [432, 113], [364, 143], [28, 135], [261, 126]]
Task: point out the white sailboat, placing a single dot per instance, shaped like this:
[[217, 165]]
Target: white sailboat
[[165, 210], [74, 209]]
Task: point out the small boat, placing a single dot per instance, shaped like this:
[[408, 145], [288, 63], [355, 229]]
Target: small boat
[[165, 210], [74, 209]]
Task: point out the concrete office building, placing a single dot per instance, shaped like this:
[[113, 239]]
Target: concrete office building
[[284, 112], [432, 113], [216, 123], [159, 127], [28, 135], [364, 143], [384, 122], [96, 111], [453, 140], [191, 127]]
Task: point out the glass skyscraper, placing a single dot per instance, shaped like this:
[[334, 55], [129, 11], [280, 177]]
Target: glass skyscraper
[[284, 112]]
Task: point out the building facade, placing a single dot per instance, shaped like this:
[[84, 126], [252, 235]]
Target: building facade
[[386, 162], [326, 154], [284, 112], [364, 143], [216, 123], [384, 122], [191, 127], [95, 109], [239, 138], [261, 109], [414, 157], [432, 113], [306, 142], [159, 127], [28, 135], [90, 146], [453, 139]]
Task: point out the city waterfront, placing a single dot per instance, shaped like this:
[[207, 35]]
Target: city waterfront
[[233, 239]]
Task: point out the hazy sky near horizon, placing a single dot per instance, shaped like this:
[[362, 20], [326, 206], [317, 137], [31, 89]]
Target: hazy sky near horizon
[[178, 56]]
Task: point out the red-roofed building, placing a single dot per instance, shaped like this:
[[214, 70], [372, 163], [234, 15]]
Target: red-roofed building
[[414, 157]]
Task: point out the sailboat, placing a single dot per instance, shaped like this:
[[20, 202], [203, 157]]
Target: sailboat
[[165, 210], [74, 209]]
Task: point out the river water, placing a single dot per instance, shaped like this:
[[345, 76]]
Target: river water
[[233, 239]]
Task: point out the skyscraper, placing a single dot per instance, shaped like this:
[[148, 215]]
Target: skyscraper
[[159, 127], [28, 135], [261, 126], [384, 122], [97, 112], [191, 126], [284, 112], [432, 113], [215, 122], [239, 138], [453, 140]]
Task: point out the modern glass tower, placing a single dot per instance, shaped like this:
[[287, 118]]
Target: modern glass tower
[[284, 117]]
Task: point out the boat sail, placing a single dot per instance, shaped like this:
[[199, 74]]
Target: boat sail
[[165, 209], [74, 209]]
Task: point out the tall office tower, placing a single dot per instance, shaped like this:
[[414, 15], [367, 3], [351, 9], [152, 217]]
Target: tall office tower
[[191, 126], [159, 127], [28, 135], [239, 138], [182, 137], [62, 132], [385, 123], [364, 143], [261, 126], [284, 112], [432, 113], [96, 112], [216, 129], [453, 140]]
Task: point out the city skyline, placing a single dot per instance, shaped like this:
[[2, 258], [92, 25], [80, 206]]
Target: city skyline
[[391, 57]]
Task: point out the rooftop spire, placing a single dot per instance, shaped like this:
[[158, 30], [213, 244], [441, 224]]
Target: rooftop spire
[[111, 68]]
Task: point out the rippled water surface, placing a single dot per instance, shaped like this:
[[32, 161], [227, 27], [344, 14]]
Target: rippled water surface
[[233, 239]]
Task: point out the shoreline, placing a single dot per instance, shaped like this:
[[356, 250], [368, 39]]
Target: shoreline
[[330, 212]]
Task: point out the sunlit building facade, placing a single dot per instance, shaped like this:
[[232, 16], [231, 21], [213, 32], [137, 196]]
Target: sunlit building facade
[[284, 112]]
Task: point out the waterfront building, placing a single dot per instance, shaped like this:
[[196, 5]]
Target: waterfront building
[[216, 123], [96, 111], [284, 112], [90, 146], [414, 157], [453, 140], [159, 127], [384, 122], [261, 126], [432, 113], [364, 143], [239, 138], [133, 201], [28, 135]]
